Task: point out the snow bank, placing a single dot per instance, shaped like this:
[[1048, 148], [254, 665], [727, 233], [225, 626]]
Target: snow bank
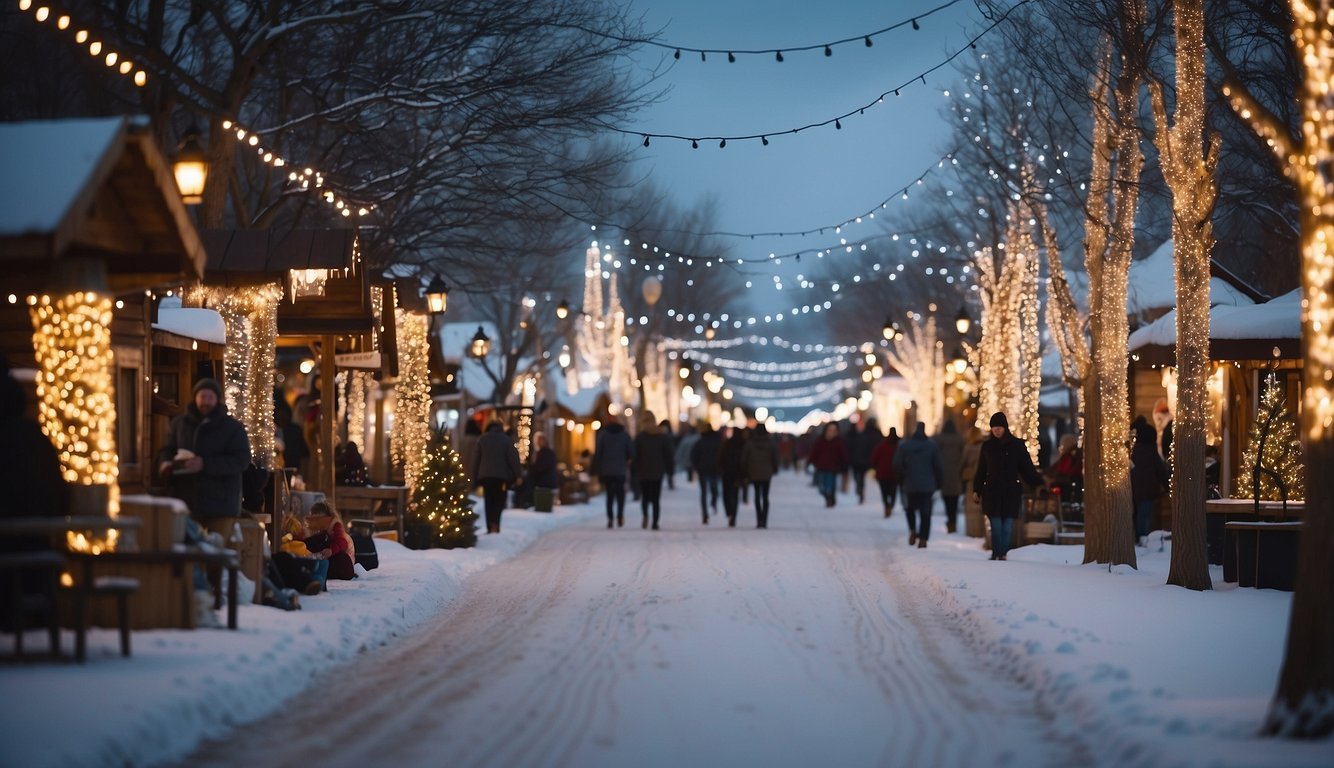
[[181, 687]]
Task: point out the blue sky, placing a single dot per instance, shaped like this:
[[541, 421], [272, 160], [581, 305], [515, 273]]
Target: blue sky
[[820, 176]]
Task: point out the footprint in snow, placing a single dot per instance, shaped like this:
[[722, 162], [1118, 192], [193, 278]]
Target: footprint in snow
[[1065, 648]]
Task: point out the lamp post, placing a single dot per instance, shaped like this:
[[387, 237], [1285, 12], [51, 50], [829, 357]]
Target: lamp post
[[962, 322], [437, 296], [190, 167]]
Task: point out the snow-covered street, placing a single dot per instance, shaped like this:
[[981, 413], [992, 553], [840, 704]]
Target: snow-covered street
[[824, 640], [797, 645]]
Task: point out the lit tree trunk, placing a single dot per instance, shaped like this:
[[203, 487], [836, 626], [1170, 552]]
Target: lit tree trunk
[[1066, 324], [1303, 705], [1113, 539], [1190, 176], [920, 360]]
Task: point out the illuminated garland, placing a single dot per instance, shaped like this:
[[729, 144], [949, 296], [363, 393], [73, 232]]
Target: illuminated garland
[[785, 378], [750, 365], [834, 121], [791, 392], [82, 36], [412, 427], [1023, 255]]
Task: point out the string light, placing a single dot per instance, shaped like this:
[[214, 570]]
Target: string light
[[731, 53], [76, 403], [1282, 449], [95, 48], [250, 319], [835, 121], [302, 176], [412, 391], [1307, 164], [919, 358]]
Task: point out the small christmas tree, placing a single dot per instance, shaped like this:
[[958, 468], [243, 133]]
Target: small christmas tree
[[1282, 453], [440, 500]]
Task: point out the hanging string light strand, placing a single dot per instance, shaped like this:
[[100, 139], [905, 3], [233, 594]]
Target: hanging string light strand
[[836, 121], [83, 36]]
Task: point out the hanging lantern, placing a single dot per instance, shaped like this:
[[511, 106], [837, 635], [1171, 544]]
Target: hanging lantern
[[190, 167], [962, 322], [437, 296], [562, 309], [481, 344]]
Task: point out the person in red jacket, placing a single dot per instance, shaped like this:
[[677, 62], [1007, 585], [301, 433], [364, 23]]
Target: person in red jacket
[[332, 541], [882, 458], [829, 456]]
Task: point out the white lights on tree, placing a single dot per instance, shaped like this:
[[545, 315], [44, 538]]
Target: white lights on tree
[[920, 360], [412, 391]]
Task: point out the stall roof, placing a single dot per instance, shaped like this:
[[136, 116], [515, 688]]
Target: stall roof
[[1237, 332], [1153, 284], [92, 188], [269, 254]]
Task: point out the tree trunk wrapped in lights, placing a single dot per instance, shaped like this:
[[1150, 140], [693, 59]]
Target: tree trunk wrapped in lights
[[76, 401], [412, 392], [1008, 356], [1190, 176], [1304, 702], [920, 360], [1109, 242]]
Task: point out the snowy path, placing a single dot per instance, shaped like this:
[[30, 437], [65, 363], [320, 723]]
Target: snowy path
[[794, 646]]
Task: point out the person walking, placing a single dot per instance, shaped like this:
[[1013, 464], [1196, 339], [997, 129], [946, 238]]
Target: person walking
[[495, 466], [1148, 477], [671, 437], [882, 458], [950, 444], [862, 441], [1003, 466], [972, 449], [829, 455], [612, 454], [684, 445], [204, 456], [917, 466], [731, 471], [760, 459], [704, 458], [652, 462]]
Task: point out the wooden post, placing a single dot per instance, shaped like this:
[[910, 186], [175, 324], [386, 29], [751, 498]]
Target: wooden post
[[328, 414]]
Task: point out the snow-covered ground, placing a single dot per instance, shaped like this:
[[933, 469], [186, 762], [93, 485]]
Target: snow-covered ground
[[824, 640]]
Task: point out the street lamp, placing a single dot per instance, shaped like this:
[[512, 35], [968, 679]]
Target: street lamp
[[437, 296], [962, 322], [562, 310], [190, 166], [481, 344], [959, 362], [888, 330]]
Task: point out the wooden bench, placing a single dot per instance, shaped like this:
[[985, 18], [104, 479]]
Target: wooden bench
[[176, 562], [383, 505], [1266, 553], [49, 565]]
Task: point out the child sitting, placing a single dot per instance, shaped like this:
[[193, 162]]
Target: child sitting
[[331, 541], [302, 570]]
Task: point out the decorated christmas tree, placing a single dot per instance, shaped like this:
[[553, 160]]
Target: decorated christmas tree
[[440, 503], [1282, 453]]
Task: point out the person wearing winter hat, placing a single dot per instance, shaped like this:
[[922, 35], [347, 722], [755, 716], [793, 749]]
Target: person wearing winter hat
[[203, 457], [1003, 466]]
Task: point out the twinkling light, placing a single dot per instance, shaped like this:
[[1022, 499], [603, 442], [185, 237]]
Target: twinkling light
[[76, 403], [412, 427], [250, 317], [919, 358], [1275, 429], [64, 23]]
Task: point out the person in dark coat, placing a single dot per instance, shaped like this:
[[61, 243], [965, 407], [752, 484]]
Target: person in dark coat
[[829, 457], [882, 458], [704, 458], [653, 462], [204, 456], [731, 471], [1003, 466], [495, 466], [1148, 476], [862, 440], [950, 444], [611, 463], [33, 485], [917, 466], [760, 459], [671, 436], [542, 472]]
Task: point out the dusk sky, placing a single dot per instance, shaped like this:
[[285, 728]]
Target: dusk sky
[[819, 176]]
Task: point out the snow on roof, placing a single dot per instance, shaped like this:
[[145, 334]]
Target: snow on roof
[[1153, 284], [1278, 318], [192, 323], [43, 167]]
